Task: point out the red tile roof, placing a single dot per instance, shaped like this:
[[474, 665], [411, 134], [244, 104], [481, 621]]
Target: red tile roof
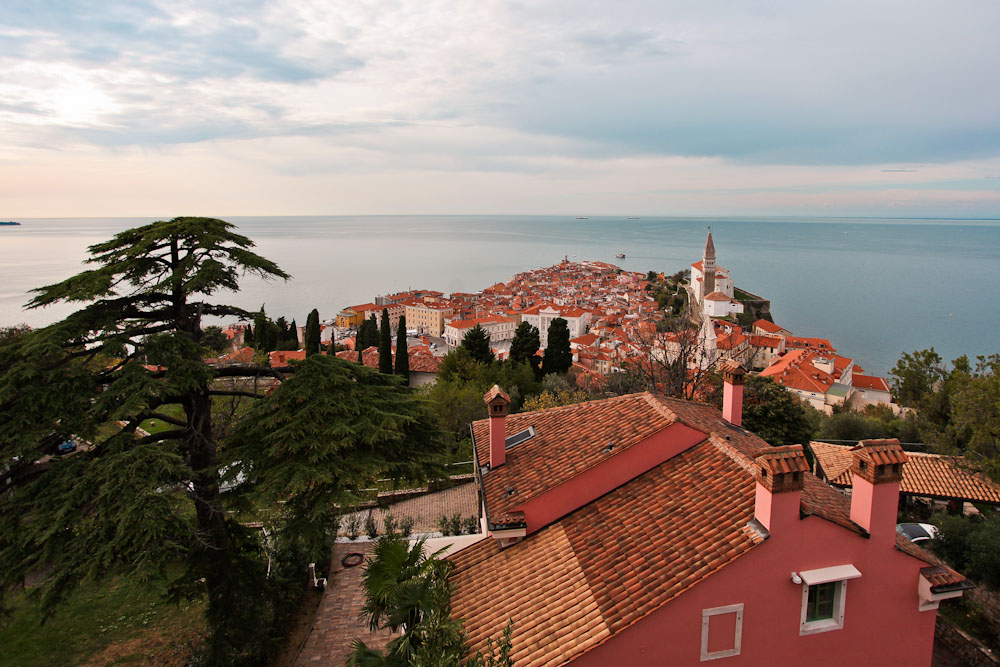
[[932, 475], [803, 342], [767, 326], [605, 566], [870, 382]]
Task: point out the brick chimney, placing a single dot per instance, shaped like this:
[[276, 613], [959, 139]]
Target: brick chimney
[[877, 468], [780, 474], [497, 404], [732, 392]]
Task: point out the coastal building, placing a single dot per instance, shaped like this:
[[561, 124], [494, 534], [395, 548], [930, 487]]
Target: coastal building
[[497, 327], [428, 317], [712, 285], [541, 316], [353, 316], [639, 530]]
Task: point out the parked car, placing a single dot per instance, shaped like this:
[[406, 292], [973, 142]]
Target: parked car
[[917, 532], [66, 447]]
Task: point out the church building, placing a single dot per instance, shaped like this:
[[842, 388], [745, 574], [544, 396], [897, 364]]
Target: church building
[[712, 285]]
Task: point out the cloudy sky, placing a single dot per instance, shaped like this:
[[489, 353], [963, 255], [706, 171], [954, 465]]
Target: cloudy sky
[[653, 107]]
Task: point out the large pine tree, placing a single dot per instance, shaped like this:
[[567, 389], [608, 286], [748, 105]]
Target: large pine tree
[[477, 342], [153, 506], [385, 345], [558, 355], [402, 354], [312, 333]]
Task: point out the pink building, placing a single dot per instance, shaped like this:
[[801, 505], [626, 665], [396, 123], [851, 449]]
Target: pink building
[[640, 530]]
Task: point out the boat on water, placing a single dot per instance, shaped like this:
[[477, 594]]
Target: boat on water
[[582, 217], [634, 217], [9, 222], [620, 255]]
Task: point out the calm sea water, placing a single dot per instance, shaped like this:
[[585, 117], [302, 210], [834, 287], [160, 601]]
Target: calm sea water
[[874, 287]]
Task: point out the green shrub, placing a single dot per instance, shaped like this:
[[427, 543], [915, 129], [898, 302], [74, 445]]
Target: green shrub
[[371, 530]]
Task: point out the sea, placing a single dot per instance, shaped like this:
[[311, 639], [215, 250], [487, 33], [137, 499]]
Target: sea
[[874, 287]]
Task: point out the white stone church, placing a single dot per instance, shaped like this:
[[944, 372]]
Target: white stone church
[[712, 285]]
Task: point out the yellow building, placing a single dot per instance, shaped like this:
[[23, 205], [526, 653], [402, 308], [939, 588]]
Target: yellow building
[[352, 316], [428, 318]]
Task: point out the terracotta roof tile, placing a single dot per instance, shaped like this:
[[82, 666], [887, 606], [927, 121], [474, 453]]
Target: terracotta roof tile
[[880, 452], [556, 616], [783, 459], [930, 475]]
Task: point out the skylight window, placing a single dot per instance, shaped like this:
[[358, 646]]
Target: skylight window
[[519, 437]]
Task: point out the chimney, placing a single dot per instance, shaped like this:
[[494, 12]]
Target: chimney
[[732, 393], [780, 474], [497, 404], [877, 468]]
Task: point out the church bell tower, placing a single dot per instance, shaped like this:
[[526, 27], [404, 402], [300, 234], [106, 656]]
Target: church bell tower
[[708, 266]]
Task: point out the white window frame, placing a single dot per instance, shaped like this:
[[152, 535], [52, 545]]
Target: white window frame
[[840, 574], [706, 616]]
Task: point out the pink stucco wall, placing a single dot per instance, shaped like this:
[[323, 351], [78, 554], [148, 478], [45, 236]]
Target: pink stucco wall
[[882, 625]]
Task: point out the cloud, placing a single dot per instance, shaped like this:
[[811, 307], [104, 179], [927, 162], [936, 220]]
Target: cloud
[[555, 90]]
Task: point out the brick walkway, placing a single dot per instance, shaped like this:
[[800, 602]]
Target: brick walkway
[[337, 623], [425, 509]]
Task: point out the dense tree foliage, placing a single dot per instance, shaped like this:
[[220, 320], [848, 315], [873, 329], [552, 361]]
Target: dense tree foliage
[[558, 355], [524, 347], [385, 344], [774, 413], [153, 507], [402, 354], [970, 544], [312, 333], [331, 427], [477, 342]]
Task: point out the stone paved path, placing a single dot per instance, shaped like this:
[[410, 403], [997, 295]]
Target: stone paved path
[[337, 620]]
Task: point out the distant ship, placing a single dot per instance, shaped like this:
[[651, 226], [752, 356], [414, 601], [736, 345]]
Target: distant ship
[[620, 255], [10, 222], [582, 217], [634, 217]]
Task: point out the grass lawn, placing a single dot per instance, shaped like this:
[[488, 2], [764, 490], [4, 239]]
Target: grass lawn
[[157, 425], [107, 623]]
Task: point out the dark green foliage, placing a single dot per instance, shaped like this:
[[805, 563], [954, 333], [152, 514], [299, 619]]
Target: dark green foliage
[[214, 340], [915, 376], [10, 334], [524, 347], [367, 334], [774, 413], [312, 334], [248, 335], [128, 505], [477, 342], [558, 355], [293, 335], [402, 354], [409, 592], [385, 345], [971, 545], [332, 429]]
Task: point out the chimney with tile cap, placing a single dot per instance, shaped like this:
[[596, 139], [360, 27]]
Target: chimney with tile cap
[[876, 470], [497, 404], [780, 474], [732, 392]]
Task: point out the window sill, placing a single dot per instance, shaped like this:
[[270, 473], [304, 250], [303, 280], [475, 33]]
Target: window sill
[[816, 627]]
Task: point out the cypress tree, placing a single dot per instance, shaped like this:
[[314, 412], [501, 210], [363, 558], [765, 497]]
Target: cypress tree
[[477, 342], [402, 354], [293, 335], [558, 356], [525, 346], [248, 336], [312, 333], [385, 345]]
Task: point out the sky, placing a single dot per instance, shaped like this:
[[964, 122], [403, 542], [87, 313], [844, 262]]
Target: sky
[[655, 107]]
